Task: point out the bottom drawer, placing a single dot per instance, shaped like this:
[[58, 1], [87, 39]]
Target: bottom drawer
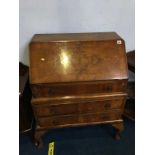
[[78, 119]]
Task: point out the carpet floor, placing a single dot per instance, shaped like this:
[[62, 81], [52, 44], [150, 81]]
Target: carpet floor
[[88, 140]]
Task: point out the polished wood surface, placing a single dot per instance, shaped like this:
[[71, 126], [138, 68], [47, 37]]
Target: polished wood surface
[[67, 37], [77, 60], [78, 88], [66, 120], [77, 98], [77, 79], [49, 107]]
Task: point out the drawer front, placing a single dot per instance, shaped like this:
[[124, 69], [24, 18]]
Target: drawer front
[[48, 90], [78, 108], [78, 119]]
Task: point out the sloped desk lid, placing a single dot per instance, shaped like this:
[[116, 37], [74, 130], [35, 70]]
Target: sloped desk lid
[[77, 57]]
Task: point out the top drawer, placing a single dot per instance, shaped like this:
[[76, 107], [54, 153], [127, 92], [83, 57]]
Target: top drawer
[[78, 88]]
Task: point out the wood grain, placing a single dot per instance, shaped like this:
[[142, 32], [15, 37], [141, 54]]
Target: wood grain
[[77, 79]]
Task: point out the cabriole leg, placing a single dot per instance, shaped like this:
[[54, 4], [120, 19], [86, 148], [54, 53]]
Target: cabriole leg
[[38, 138], [119, 128]]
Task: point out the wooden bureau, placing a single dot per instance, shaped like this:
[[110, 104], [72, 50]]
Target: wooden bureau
[[77, 79]]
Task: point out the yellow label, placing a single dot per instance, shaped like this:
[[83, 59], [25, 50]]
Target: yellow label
[[51, 149]]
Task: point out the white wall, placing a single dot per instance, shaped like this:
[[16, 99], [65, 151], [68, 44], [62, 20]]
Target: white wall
[[56, 16]]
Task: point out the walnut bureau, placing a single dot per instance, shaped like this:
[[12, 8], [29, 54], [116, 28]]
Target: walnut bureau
[[77, 79]]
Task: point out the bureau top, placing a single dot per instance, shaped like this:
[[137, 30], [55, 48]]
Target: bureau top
[[69, 37], [77, 57]]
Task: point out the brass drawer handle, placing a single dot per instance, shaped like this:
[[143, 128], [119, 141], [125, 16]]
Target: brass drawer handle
[[52, 111], [50, 91], [105, 117], [54, 122], [107, 104], [109, 88]]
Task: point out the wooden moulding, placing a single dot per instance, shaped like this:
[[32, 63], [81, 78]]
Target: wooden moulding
[[77, 79]]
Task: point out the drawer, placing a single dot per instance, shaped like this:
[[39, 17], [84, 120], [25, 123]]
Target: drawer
[[78, 108], [78, 119], [78, 88]]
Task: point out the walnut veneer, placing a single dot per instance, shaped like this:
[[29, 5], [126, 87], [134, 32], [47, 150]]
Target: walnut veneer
[[77, 79]]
